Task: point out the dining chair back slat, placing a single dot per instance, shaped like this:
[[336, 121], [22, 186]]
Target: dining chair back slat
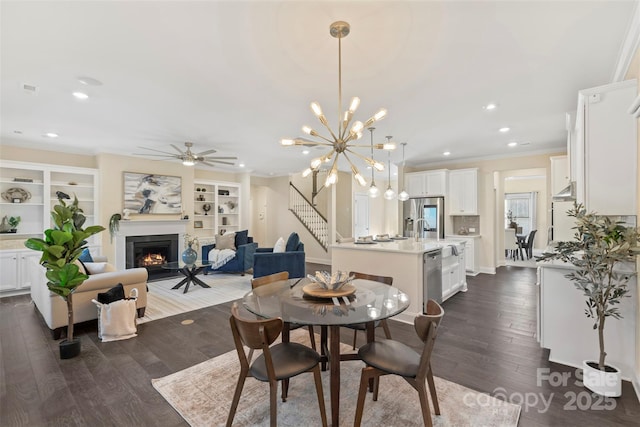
[[265, 280]]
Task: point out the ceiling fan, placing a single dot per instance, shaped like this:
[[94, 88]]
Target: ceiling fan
[[189, 158]]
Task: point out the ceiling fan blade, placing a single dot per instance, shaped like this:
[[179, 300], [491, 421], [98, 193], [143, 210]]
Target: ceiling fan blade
[[168, 156], [204, 153], [177, 149], [159, 151], [218, 161], [220, 158], [208, 164]]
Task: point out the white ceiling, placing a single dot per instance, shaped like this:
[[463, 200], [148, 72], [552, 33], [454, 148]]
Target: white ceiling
[[238, 76]]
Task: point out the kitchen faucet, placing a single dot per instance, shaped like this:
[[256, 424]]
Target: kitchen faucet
[[415, 227]]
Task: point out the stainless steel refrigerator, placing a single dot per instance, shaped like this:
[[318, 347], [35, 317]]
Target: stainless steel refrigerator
[[424, 215]]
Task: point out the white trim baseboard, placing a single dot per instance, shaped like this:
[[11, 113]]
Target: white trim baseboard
[[636, 386], [318, 260], [488, 270]]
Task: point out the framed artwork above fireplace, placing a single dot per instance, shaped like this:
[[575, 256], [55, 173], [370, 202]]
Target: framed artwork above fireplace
[[152, 194]]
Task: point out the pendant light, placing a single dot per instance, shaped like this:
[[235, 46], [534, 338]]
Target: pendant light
[[403, 196], [373, 190], [389, 194]]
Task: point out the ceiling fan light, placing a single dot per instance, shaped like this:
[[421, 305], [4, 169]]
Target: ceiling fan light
[[188, 162]]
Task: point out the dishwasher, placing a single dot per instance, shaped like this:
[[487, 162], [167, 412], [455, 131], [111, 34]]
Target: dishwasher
[[432, 277]]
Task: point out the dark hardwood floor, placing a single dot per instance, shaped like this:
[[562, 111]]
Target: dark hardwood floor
[[486, 342]]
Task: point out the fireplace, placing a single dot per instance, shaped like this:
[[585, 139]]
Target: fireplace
[[151, 252]]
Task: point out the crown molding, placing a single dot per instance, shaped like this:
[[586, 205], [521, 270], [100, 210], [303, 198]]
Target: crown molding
[[629, 47]]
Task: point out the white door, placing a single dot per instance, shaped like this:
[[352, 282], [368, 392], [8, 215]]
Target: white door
[[361, 215]]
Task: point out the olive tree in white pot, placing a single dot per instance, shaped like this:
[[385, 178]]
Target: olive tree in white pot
[[599, 247]]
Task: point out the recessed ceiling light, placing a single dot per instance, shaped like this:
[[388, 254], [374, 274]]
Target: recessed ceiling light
[[89, 81], [241, 165], [51, 135], [305, 151], [512, 144], [490, 107], [446, 153], [504, 129], [80, 95]]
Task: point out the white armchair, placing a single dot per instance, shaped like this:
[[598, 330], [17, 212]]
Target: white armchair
[[54, 309]]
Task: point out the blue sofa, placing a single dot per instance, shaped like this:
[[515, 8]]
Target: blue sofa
[[243, 261], [266, 262]]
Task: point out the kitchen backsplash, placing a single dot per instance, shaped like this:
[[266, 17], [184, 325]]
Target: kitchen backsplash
[[464, 224]]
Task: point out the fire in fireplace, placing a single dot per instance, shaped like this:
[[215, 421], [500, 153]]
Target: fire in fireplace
[[151, 252]]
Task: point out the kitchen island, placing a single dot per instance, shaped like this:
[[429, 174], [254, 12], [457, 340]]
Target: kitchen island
[[403, 260]]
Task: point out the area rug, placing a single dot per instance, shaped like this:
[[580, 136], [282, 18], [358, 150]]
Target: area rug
[[162, 301], [202, 395]]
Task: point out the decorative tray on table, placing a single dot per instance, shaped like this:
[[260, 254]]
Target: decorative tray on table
[[325, 285]]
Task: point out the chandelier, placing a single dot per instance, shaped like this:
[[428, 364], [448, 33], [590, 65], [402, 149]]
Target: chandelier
[[340, 142]]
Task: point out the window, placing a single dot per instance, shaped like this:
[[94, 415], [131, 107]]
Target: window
[[522, 207]]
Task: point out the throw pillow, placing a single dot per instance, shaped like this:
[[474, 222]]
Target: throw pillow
[[114, 294], [99, 267], [279, 246], [85, 256], [242, 238], [226, 241], [81, 267], [292, 242]]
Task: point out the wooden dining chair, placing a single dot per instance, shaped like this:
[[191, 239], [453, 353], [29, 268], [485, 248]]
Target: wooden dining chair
[[363, 326], [393, 357], [278, 277], [278, 362]]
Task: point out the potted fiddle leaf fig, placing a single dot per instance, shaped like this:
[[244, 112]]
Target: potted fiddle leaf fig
[[61, 247], [599, 249]]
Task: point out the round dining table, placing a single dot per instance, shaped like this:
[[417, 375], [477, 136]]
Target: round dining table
[[371, 302]]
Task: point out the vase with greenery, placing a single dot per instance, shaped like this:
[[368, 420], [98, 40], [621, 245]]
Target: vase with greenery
[[114, 225], [598, 250], [61, 247], [13, 223]]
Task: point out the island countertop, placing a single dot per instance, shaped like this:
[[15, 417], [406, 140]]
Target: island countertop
[[409, 246]]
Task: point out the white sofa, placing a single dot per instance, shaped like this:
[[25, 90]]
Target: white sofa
[[54, 309]]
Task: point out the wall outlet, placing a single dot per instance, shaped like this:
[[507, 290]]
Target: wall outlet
[[472, 230]]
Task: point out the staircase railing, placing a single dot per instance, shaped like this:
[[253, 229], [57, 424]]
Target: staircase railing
[[309, 216]]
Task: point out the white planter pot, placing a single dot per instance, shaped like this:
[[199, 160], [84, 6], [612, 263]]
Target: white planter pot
[[607, 384]]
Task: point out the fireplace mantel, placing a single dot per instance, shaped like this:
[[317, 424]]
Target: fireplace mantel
[[147, 228]]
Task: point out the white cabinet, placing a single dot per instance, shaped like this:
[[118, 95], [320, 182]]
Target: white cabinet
[[463, 192], [453, 274], [216, 207], [427, 184], [606, 146], [560, 178], [17, 267], [471, 252]]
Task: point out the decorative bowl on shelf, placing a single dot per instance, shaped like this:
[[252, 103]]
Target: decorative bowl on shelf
[[16, 195]]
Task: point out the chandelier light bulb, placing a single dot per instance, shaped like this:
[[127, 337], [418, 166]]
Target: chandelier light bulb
[[315, 107], [378, 166], [380, 114], [403, 196], [307, 129], [287, 141], [306, 172], [315, 163], [389, 146], [356, 175], [357, 127], [332, 178], [355, 103]]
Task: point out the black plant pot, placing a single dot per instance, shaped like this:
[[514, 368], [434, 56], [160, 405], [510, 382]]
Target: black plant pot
[[69, 349]]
